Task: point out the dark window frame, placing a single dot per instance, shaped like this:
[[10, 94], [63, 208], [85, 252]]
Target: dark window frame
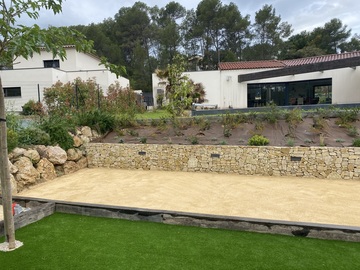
[[258, 93], [12, 92], [55, 63]]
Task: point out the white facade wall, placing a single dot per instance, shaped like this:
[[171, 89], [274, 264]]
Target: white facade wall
[[232, 94], [29, 80], [28, 74], [223, 89], [345, 83], [74, 61]]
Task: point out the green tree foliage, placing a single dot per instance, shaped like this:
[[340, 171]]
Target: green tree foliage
[[237, 33], [19, 40], [144, 38], [133, 31], [168, 32], [181, 92], [179, 87], [329, 39], [331, 36], [210, 23], [269, 34], [352, 45]]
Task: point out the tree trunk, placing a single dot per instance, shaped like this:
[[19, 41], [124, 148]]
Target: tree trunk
[[5, 176]]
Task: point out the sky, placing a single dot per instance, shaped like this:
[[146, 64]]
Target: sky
[[301, 14]]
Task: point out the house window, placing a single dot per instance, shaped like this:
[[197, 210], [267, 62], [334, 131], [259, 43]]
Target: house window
[[12, 91], [51, 63], [290, 93]]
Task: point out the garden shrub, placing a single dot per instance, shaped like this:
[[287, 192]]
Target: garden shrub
[[58, 129], [98, 120], [126, 120], [67, 98], [294, 117], [319, 122], [356, 143], [273, 113], [193, 140], [347, 116], [122, 100], [227, 132], [12, 140], [229, 121], [33, 136], [258, 140], [13, 121], [33, 108], [143, 140], [352, 131]]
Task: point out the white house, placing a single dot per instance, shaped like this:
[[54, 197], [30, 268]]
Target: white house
[[28, 78], [332, 79]]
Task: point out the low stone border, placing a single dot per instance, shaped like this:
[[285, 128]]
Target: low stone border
[[38, 210], [299, 229]]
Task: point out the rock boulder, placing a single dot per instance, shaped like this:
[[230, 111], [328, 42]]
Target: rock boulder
[[33, 155], [55, 155], [27, 174], [46, 170]]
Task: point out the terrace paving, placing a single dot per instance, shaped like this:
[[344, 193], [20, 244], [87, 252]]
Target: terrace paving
[[276, 198]]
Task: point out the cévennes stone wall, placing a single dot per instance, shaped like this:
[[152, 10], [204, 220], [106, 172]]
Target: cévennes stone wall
[[320, 162]]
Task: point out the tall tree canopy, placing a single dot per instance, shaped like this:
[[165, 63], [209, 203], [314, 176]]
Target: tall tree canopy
[[268, 34], [18, 40], [145, 38]]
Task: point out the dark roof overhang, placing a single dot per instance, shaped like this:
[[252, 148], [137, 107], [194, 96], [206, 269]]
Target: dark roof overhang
[[294, 70]]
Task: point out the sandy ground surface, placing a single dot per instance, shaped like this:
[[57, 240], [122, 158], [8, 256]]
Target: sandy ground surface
[[278, 198]]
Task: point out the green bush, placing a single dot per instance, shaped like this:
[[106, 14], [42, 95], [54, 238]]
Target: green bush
[[347, 116], [98, 120], [13, 121], [258, 140], [33, 108], [352, 131], [229, 121], [143, 140], [227, 132], [356, 143], [58, 129], [12, 140], [290, 142], [193, 140], [33, 136], [294, 117], [125, 120], [273, 113]]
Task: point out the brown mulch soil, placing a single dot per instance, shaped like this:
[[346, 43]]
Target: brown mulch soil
[[279, 134]]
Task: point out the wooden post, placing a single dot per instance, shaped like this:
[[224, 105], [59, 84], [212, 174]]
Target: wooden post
[[5, 176]]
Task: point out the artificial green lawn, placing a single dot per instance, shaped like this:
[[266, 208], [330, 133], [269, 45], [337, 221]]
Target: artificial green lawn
[[64, 241]]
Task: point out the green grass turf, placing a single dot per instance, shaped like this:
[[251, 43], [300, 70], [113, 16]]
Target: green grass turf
[[64, 241]]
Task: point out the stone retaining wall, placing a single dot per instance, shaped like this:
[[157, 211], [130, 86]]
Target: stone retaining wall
[[319, 162]]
